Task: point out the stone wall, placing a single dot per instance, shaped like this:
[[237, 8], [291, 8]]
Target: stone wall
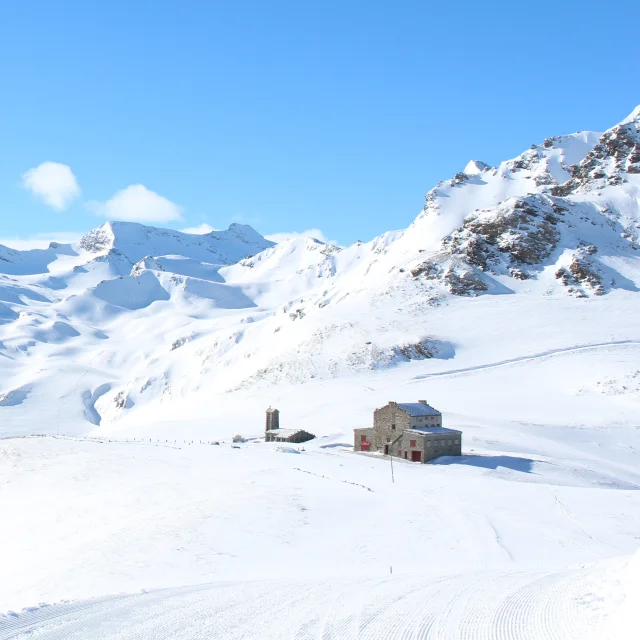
[[443, 445], [431, 445], [388, 423], [357, 439]]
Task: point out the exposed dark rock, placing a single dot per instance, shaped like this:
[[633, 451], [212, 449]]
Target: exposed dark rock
[[618, 150], [581, 272], [427, 269], [518, 274], [522, 232], [463, 282]]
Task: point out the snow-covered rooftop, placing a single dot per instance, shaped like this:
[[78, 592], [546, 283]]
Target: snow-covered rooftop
[[433, 430], [284, 432], [418, 409]]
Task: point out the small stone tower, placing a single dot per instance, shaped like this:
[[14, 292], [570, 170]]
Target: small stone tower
[[273, 419]]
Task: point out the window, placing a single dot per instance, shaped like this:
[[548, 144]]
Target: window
[[412, 443], [429, 443], [457, 441], [363, 438], [393, 427]]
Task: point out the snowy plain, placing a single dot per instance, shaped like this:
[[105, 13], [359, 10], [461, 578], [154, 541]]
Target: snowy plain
[[125, 356]]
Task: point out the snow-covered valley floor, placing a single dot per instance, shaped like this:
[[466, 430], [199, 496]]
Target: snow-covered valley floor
[[304, 537]]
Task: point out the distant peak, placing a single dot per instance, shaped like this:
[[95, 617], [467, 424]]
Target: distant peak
[[246, 233], [475, 166], [236, 226], [98, 240]]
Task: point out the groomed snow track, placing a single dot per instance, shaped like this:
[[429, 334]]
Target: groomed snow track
[[604, 346], [480, 606]]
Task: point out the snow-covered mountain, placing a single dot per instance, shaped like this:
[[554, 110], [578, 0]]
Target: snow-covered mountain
[[540, 251], [511, 303]]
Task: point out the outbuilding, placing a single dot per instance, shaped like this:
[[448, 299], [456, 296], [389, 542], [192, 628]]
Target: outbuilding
[[273, 432]]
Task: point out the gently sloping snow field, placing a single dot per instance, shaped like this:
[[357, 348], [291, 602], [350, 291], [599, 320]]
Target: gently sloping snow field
[[491, 605], [477, 544]]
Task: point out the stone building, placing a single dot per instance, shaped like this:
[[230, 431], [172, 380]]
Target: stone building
[[273, 432], [273, 419], [409, 430]]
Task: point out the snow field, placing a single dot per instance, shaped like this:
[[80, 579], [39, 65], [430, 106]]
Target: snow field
[[483, 606], [88, 517]]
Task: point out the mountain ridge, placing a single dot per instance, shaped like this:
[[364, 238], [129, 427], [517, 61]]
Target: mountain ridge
[[153, 316]]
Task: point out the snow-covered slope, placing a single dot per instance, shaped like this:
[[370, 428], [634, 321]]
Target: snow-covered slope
[[557, 605], [133, 319]]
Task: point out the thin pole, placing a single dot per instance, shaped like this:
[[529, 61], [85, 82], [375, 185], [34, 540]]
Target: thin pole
[[390, 451]]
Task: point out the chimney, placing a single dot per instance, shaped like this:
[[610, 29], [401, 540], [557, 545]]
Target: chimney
[[422, 401]]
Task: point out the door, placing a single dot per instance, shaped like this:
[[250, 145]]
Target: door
[[416, 456], [386, 449]]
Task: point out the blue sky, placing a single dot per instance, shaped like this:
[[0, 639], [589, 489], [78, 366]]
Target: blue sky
[[289, 116]]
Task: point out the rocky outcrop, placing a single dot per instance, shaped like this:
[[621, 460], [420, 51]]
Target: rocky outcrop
[[582, 273], [617, 152], [459, 278], [504, 239], [98, 240]]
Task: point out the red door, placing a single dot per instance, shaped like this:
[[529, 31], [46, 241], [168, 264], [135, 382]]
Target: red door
[[416, 456]]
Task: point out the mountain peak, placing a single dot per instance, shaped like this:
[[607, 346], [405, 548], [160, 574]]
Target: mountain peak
[[475, 167], [134, 241], [634, 116]]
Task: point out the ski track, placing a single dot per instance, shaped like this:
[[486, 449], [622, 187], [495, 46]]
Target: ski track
[[521, 359], [479, 606]]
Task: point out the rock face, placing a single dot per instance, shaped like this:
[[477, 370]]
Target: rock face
[[582, 272], [616, 154], [514, 234], [570, 196]]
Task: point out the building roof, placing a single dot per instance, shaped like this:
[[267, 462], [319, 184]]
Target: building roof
[[418, 409], [426, 431], [285, 433]]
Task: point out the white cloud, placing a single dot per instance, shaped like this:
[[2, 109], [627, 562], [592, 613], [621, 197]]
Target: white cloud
[[52, 182], [40, 240], [136, 203], [309, 233], [201, 229]]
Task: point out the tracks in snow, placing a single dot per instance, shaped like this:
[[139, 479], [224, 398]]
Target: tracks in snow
[[521, 359], [480, 606]]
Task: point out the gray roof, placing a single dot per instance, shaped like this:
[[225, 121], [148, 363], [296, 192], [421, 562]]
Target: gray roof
[[418, 409], [425, 431], [285, 433]]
